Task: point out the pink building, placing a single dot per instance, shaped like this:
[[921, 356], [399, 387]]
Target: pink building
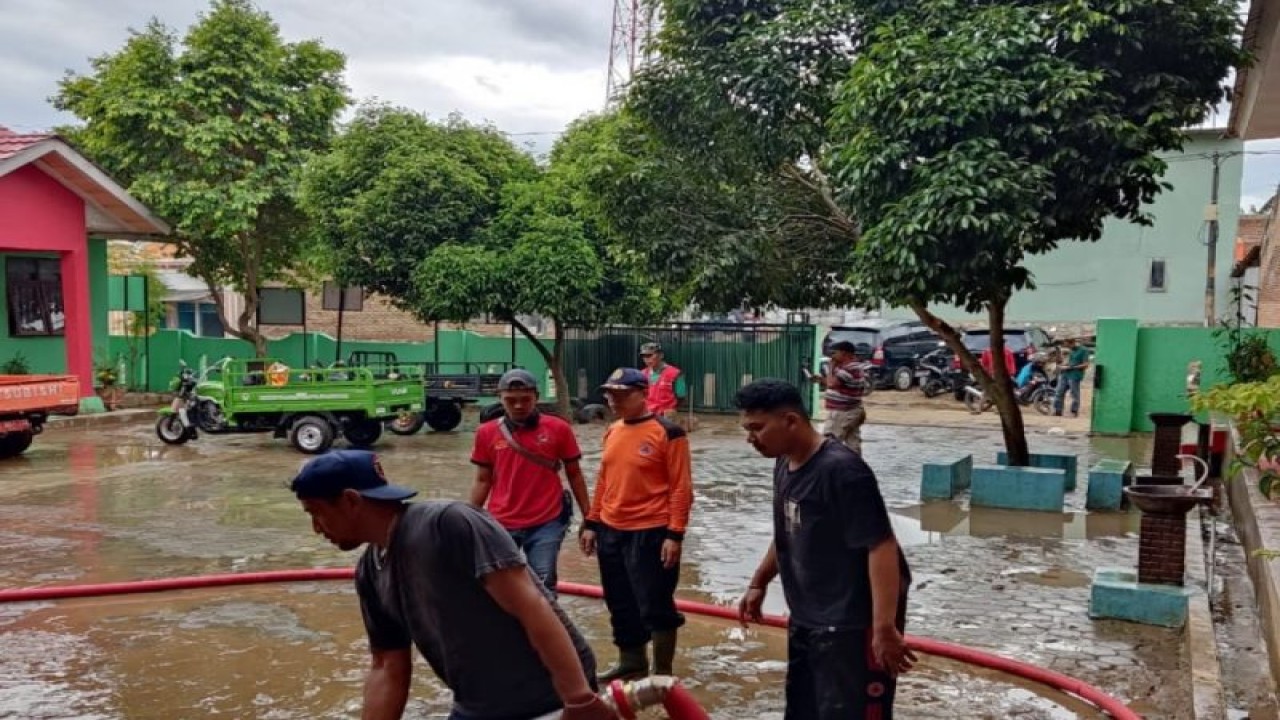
[[57, 211]]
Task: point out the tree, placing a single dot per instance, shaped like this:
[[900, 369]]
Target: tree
[[957, 136], [715, 236], [212, 134], [451, 221]]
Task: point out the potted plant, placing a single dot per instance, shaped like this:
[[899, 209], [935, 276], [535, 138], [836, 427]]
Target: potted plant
[[107, 384]]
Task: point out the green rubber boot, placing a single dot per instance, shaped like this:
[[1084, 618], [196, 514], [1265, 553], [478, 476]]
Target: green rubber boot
[[633, 663], [664, 651]]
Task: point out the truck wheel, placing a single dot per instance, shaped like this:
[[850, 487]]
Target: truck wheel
[[406, 423], [593, 413], [444, 417], [311, 435], [363, 433], [15, 443], [492, 412], [170, 430]]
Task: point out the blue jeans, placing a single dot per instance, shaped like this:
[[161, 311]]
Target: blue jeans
[[1065, 383], [541, 546]]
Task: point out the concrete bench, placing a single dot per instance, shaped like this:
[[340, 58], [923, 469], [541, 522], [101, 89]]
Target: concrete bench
[[941, 481], [1018, 488], [1066, 463], [1107, 481]]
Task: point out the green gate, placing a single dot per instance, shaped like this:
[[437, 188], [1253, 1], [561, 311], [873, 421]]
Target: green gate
[[716, 358]]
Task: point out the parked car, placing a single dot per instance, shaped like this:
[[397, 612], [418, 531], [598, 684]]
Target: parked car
[[1023, 342], [891, 346]]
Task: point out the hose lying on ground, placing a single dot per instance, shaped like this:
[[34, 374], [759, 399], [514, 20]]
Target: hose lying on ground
[[1057, 681]]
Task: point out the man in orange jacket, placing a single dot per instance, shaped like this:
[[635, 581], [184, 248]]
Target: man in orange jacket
[[636, 527]]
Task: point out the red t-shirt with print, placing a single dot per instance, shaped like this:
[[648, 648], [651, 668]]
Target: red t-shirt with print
[[524, 493]]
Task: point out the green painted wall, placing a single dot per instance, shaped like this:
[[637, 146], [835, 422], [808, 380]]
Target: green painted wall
[[1144, 370], [98, 295], [167, 347], [1083, 281], [44, 355]]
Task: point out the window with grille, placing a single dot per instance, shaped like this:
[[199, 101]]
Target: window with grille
[[34, 296]]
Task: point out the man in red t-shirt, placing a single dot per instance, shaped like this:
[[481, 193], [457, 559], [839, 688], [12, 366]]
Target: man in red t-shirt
[[518, 459]]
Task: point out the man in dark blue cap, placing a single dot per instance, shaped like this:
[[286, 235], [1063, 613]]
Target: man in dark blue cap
[[446, 578]]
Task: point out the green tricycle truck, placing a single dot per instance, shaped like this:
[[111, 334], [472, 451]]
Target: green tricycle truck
[[312, 407]]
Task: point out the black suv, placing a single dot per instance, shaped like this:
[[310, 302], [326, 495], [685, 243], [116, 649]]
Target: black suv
[[1023, 342], [891, 346]]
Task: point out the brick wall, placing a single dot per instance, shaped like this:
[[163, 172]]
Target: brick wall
[[379, 320], [1268, 291]]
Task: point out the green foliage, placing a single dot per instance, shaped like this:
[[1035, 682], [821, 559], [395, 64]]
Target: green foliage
[[968, 135], [396, 187], [1253, 406], [211, 133], [946, 139], [1247, 356], [16, 365]]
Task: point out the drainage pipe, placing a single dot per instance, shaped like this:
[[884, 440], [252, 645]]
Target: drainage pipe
[[1057, 681]]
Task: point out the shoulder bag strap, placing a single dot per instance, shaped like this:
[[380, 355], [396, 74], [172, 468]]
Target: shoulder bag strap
[[536, 459]]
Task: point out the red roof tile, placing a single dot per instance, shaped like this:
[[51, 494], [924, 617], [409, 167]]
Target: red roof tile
[[12, 143]]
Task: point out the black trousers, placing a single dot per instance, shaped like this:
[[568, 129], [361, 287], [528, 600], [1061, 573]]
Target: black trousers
[[832, 674], [639, 592]]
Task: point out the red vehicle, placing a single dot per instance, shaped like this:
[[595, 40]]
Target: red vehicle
[[27, 401]]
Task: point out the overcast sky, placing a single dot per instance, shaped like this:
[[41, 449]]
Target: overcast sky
[[528, 66]]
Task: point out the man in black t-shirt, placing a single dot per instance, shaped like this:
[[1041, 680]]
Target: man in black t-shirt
[[843, 574], [446, 578]]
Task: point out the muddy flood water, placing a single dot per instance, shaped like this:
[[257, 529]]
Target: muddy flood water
[[114, 504]]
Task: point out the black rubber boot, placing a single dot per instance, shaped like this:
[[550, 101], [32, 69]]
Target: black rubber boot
[[664, 651], [632, 663]]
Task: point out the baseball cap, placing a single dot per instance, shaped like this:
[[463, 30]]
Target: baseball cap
[[626, 379], [327, 475], [517, 379], [844, 345], [650, 348]]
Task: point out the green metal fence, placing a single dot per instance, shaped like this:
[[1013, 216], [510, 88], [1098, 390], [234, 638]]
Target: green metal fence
[[716, 358]]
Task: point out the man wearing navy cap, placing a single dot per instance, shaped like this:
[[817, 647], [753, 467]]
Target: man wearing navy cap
[[446, 578], [636, 526]]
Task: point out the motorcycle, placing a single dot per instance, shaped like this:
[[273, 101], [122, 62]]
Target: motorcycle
[[175, 427], [188, 413], [931, 372]]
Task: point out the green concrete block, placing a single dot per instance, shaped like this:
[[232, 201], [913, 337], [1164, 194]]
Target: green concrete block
[[1067, 463], [1018, 488], [1107, 481], [1116, 594], [941, 481], [92, 405]]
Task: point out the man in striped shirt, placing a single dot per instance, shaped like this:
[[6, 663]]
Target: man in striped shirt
[[845, 384]]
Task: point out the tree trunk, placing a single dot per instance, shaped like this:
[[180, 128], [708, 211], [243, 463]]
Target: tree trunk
[[1015, 433], [552, 356], [998, 388], [243, 328]]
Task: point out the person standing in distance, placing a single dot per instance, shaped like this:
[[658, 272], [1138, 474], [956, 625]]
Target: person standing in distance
[[1071, 377], [446, 578], [843, 574], [636, 527], [518, 459], [845, 384], [666, 382]]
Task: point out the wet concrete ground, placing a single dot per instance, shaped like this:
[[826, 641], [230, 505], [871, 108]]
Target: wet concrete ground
[[115, 504]]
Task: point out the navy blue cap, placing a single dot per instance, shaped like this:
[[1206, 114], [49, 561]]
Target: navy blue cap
[[326, 476], [626, 379], [517, 379]]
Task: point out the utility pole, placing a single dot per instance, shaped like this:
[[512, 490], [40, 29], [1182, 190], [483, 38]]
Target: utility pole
[[1211, 214]]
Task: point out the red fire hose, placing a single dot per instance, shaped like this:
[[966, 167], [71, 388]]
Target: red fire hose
[[1057, 681]]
